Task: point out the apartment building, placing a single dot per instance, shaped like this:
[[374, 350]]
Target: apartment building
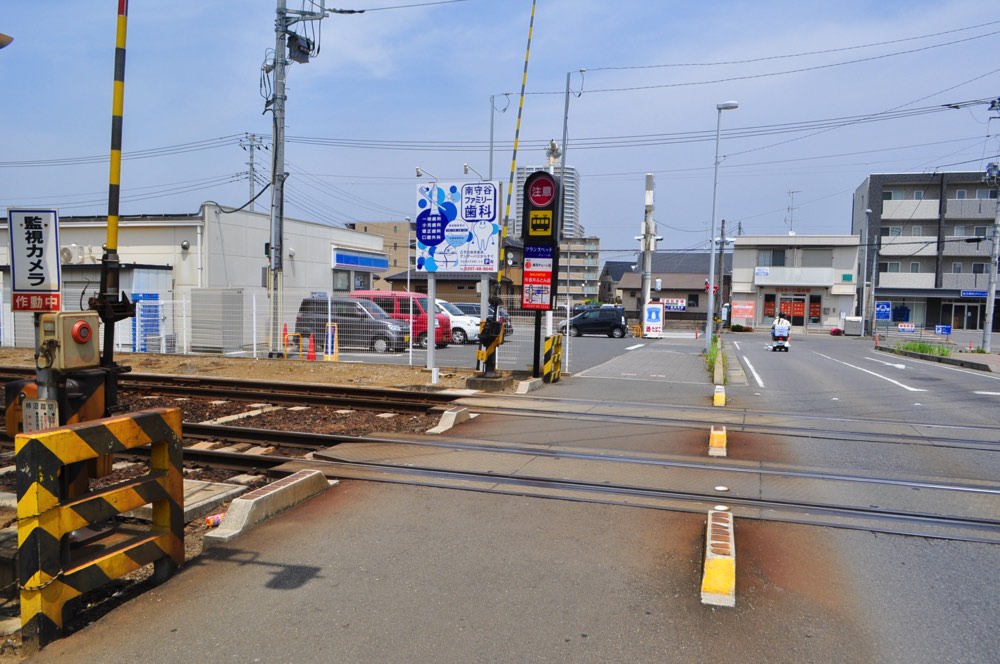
[[919, 243], [579, 270]]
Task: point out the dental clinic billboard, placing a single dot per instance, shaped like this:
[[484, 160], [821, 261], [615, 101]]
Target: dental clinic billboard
[[458, 227]]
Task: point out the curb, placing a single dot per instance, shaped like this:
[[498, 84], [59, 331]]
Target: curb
[[717, 442], [253, 508], [525, 386], [450, 418], [967, 364], [719, 397], [718, 584]]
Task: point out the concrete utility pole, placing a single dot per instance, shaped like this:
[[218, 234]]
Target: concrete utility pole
[[993, 179], [718, 270], [252, 145], [648, 242]]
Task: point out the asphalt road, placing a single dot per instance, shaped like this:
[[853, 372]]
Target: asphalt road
[[385, 573]]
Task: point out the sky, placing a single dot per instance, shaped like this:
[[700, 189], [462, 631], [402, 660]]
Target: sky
[[828, 93]]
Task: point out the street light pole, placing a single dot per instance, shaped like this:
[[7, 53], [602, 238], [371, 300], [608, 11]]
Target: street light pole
[[993, 179], [709, 321]]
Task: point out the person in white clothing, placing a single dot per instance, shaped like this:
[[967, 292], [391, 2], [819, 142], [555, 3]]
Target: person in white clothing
[[780, 321]]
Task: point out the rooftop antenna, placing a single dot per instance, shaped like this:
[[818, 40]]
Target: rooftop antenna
[[791, 211]]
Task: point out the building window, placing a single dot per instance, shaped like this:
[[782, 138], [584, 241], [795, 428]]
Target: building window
[[958, 231], [892, 195], [914, 267], [961, 194], [979, 231], [341, 280], [891, 231], [889, 267], [979, 268], [982, 194], [771, 257], [918, 195], [692, 300], [916, 230], [956, 268]]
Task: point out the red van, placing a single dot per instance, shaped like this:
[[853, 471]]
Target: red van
[[406, 306]]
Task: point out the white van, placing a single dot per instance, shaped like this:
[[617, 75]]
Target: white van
[[464, 328]]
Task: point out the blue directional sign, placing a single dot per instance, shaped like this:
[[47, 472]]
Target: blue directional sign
[[883, 310], [973, 293], [942, 329]]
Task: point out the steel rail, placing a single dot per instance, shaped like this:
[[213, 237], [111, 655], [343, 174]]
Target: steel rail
[[902, 522], [314, 394]]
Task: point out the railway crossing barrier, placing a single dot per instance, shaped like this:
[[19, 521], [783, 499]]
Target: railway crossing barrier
[[60, 555]]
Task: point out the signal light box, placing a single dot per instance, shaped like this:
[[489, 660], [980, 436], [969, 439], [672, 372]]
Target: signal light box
[[540, 234]]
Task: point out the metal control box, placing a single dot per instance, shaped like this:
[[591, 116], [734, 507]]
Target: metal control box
[[69, 339]]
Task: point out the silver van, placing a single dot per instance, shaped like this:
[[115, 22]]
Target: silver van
[[359, 324]]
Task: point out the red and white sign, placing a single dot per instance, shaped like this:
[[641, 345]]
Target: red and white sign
[[542, 191], [742, 310], [36, 282], [536, 280]]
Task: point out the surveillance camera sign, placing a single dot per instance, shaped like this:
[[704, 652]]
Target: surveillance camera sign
[[34, 260]]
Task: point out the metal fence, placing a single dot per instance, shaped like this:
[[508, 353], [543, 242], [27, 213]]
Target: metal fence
[[237, 322]]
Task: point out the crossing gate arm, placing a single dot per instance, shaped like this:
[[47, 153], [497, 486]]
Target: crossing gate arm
[[50, 572]]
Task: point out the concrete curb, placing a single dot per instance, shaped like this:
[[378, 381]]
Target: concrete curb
[[718, 583], [525, 386], [967, 364], [255, 507], [719, 397], [717, 442], [450, 418]]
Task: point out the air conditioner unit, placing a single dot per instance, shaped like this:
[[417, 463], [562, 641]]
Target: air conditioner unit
[[71, 254]]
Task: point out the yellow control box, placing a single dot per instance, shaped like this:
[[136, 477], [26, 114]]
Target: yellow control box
[[69, 340]]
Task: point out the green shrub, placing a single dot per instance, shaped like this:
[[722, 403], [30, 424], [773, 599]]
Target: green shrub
[[924, 348]]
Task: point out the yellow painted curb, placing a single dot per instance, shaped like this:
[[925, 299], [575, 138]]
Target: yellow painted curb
[[718, 583], [719, 398], [717, 442]]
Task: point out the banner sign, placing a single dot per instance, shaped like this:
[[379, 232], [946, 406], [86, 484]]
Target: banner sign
[[36, 282]]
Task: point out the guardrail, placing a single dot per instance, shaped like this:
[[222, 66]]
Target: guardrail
[[56, 560]]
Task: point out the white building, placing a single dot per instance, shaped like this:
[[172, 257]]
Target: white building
[[200, 280], [812, 278]]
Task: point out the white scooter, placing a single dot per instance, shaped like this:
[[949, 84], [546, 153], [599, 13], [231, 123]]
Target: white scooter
[[779, 338]]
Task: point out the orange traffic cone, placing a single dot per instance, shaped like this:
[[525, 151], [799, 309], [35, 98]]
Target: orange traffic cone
[[284, 335], [311, 355]]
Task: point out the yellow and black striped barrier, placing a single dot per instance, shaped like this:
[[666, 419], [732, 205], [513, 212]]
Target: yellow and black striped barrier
[[551, 369], [51, 569]]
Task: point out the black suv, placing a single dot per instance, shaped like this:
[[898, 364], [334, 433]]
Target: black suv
[[611, 321], [360, 324]]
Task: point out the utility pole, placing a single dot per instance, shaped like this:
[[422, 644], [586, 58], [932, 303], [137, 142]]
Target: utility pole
[[718, 270], [251, 146], [993, 179], [791, 210], [648, 243]]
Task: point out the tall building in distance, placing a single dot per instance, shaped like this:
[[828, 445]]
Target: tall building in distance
[[571, 200]]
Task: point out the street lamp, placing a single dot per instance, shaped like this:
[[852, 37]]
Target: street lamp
[[468, 168], [709, 322]]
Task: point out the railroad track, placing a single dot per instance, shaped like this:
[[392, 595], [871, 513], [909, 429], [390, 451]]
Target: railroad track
[[287, 393], [963, 511]]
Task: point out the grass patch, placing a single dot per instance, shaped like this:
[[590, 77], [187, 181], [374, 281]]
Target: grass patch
[[714, 356], [924, 348]]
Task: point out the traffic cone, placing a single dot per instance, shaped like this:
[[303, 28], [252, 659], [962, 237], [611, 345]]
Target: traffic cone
[[284, 335], [311, 355], [970, 344]]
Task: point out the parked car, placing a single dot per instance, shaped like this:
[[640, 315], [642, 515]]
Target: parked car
[[473, 309], [359, 324], [464, 327], [407, 306], [610, 320]]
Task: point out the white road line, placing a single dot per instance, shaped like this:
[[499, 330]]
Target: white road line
[[888, 364], [754, 372], [894, 382], [634, 347], [989, 394], [736, 344]]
